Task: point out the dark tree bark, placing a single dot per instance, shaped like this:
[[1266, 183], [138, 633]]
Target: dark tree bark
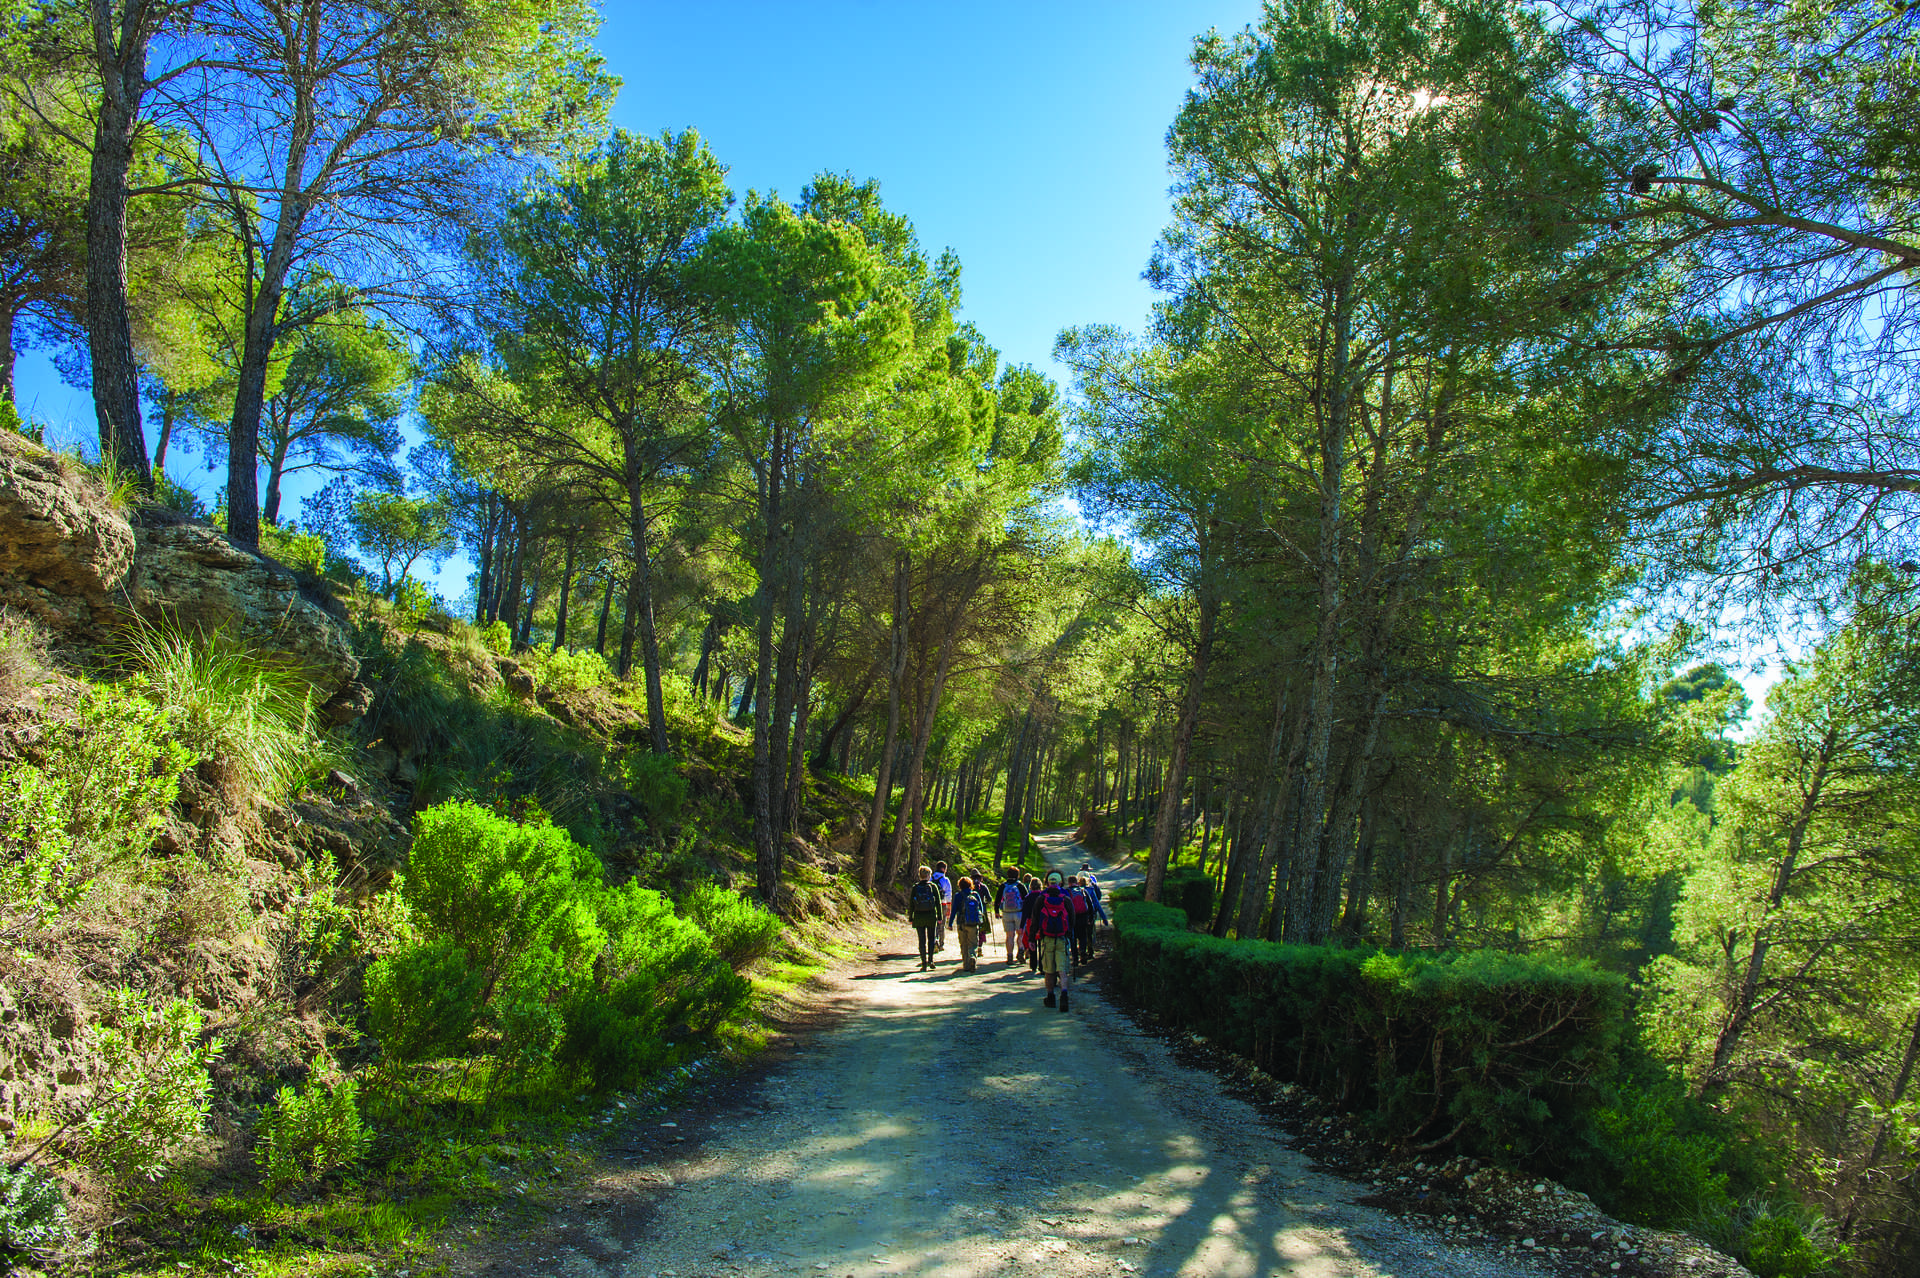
[[1167, 821], [120, 58], [896, 676], [566, 596]]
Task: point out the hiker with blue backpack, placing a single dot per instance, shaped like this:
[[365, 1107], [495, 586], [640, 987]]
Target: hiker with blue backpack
[[1013, 903], [966, 914], [923, 908], [1051, 936]]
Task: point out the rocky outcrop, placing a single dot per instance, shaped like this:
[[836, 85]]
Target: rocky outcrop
[[79, 566], [192, 576], [63, 547]]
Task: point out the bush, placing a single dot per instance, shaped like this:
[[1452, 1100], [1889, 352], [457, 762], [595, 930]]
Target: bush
[[498, 636], [1659, 1156], [303, 552], [305, 1137], [659, 984], [568, 670], [655, 783], [33, 1213], [154, 1092], [422, 1001], [105, 781], [742, 930], [1773, 1240], [607, 979], [1490, 1053], [249, 716]]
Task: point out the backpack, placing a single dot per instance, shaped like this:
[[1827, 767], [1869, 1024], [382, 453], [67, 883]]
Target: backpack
[[925, 898], [1079, 895], [1056, 916], [970, 911], [1012, 898]]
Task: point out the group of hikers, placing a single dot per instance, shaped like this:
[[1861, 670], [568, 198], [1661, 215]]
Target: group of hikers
[[1048, 925]]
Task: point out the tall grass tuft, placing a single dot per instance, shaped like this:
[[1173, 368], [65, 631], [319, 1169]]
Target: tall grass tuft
[[248, 714]]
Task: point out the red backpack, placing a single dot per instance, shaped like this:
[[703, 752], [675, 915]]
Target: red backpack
[[1056, 916], [1079, 896]]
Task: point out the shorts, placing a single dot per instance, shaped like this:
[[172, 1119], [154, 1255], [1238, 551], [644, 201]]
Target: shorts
[[1054, 955], [1011, 921]]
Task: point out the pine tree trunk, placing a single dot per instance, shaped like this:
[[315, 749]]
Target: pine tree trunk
[[896, 676], [116, 374]]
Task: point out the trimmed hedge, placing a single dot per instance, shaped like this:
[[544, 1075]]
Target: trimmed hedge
[[1499, 1055]]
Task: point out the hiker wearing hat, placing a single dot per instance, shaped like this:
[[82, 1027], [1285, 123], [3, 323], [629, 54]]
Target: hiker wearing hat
[[1050, 933]]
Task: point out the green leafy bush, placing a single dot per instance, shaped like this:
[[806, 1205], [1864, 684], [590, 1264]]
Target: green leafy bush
[[565, 968], [1773, 1240], [742, 930], [104, 783], [1491, 1053], [33, 1213], [423, 1001], [303, 552], [655, 783], [154, 1091], [1659, 1156], [659, 984], [568, 670], [498, 636], [248, 715], [304, 1137]]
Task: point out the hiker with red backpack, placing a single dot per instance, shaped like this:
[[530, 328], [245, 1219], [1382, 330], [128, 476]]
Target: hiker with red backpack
[[1082, 918], [1050, 934]]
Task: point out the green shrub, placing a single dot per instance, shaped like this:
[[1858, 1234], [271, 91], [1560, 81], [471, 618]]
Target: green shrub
[[247, 714], [153, 1092], [498, 636], [423, 1001], [1773, 1240], [303, 552], [1659, 1156], [33, 1213], [742, 930], [565, 968], [1490, 1053], [303, 1138], [655, 783], [105, 782], [659, 984], [568, 670]]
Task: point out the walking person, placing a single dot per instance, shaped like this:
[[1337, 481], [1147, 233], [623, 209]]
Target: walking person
[[1013, 901], [1082, 918], [945, 886], [1093, 891], [1031, 950], [923, 908], [1051, 935], [966, 915]]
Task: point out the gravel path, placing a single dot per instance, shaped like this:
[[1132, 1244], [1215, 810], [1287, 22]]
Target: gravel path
[[949, 1124]]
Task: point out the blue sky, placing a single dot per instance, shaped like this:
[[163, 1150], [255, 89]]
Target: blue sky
[[1027, 137]]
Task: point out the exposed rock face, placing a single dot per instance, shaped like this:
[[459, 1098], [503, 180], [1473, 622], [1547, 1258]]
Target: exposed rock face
[[63, 548], [192, 576]]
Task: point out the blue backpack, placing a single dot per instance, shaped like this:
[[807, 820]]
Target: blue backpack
[[970, 910], [925, 898]]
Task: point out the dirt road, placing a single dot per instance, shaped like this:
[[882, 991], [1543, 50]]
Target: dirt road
[[951, 1125]]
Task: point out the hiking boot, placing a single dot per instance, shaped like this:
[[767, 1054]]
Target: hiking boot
[[1063, 1000], [1049, 998]]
